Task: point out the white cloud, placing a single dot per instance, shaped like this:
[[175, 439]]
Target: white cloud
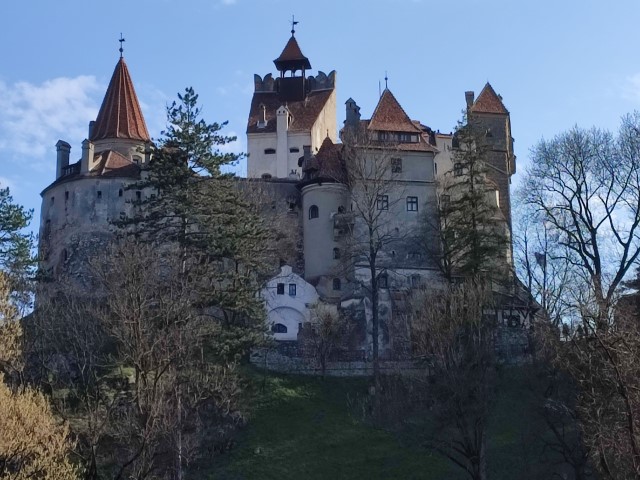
[[33, 117], [228, 2]]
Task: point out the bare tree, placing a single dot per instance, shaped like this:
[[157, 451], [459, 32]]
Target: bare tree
[[33, 443], [452, 333], [375, 192], [324, 332], [585, 184]]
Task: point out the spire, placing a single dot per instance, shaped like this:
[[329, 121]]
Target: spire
[[120, 115], [488, 102], [390, 116]]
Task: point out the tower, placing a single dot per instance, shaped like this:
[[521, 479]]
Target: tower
[[288, 113], [79, 206]]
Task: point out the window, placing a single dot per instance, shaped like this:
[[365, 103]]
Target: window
[[99, 192], [292, 289], [138, 195], [294, 150], [337, 284], [120, 192], [414, 255], [435, 168], [280, 289], [336, 253], [383, 281], [278, 328], [65, 255], [457, 169], [396, 165], [444, 201], [412, 204], [382, 202], [415, 281], [53, 200], [269, 151], [66, 196], [313, 212], [340, 209]]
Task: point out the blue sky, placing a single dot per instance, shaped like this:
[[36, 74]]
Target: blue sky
[[556, 63]]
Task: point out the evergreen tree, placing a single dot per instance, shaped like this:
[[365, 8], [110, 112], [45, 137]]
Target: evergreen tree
[[15, 245], [191, 204], [473, 233]]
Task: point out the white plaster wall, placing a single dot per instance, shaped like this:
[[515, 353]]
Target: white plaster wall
[[257, 162], [326, 123], [318, 233], [286, 309]]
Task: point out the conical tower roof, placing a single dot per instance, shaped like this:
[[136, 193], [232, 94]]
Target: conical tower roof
[[291, 57], [488, 102], [390, 116], [120, 115]]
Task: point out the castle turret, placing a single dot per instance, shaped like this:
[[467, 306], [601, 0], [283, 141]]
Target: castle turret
[[78, 208], [287, 113]]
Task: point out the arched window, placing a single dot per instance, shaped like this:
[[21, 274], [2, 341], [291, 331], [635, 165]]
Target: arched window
[[336, 253], [278, 328], [313, 212], [337, 284]]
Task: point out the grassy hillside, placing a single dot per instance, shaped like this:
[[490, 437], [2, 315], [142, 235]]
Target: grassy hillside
[[307, 428]]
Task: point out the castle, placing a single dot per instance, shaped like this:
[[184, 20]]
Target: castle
[[294, 151]]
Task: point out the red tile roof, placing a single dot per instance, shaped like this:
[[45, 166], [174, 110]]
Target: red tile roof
[[114, 164], [329, 159], [390, 116], [488, 102], [304, 112], [120, 115], [292, 57]]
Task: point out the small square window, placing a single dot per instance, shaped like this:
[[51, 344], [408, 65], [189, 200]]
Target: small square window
[[396, 165], [382, 202], [280, 289], [292, 289], [412, 204]]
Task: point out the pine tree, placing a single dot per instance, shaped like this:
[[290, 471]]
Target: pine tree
[[15, 245], [193, 205], [473, 234]]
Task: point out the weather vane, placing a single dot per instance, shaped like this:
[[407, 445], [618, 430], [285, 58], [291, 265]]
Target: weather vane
[[386, 79], [121, 40], [293, 24]]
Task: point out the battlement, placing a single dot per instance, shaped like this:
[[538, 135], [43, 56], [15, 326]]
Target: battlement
[[321, 81]]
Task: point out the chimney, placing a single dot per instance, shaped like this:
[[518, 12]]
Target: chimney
[[469, 97], [63, 149], [92, 124], [307, 153], [87, 157]]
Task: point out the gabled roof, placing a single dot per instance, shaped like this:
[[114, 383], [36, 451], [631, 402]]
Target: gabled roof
[[114, 164], [304, 112], [292, 57], [390, 116], [488, 102], [120, 115], [330, 164]]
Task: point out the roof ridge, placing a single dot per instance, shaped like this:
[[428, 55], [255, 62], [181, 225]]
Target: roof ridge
[[488, 101], [392, 122], [120, 115]]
